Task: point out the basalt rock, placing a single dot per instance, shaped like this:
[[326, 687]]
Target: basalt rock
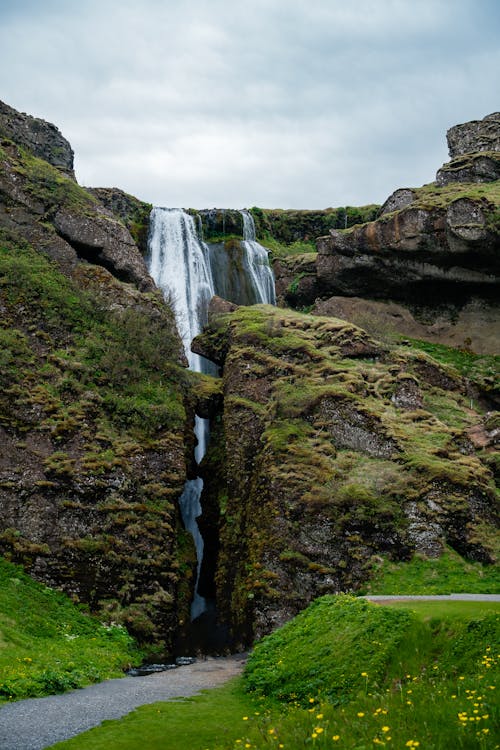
[[432, 253], [331, 449], [100, 239], [401, 198], [479, 167], [43, 205], [133, 212]]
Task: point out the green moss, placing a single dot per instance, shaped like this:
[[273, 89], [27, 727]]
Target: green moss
[[292, 232], [103, 392], [329, 466], [46, 184], [432, 196]]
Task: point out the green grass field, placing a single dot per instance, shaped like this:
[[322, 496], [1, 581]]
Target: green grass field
[[421, 675]]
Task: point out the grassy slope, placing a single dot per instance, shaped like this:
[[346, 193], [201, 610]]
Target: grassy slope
[[425, 688], [448, 574], [48, 645]]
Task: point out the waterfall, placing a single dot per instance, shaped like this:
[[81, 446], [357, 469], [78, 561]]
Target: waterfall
[[179, 264], [185, 268], [256, 263]]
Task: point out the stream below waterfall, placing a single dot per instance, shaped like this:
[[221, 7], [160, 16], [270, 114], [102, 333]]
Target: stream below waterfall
[[190, 272]]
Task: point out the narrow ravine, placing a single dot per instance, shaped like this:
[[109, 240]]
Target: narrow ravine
[[190, 273]]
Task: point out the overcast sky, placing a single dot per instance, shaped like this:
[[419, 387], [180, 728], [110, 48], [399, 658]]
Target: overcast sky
[[274, 103]]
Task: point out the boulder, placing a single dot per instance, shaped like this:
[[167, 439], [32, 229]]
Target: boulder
[[399, 199], [101, 239], [477, 135]]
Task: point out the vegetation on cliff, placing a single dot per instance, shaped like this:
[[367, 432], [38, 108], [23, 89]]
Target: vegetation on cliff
[[92, 422], [338, 449], [293, 232]]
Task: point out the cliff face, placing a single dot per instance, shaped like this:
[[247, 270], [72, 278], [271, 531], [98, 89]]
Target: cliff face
[[334, 449], [434, 251], [93, 423], [327, 447]]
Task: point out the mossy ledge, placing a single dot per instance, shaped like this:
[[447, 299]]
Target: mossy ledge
[[337, 449]]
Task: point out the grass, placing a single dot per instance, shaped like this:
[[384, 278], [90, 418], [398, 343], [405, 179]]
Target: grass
[[211, 719], [436, 690], [447, 574], [48, 645], [123, 356], [477, 367], [433, 196]]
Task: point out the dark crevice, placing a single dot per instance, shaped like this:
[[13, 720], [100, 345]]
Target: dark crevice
[[94, 256]]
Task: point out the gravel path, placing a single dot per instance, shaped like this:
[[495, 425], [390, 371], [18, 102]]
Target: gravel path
[[37, 723]]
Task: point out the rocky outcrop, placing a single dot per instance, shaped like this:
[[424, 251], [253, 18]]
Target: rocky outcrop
[[412, 253], [399, 199], [481, 167], [95, 431], [43, 205], [100, 239], [478, 135], [37, 136], [133, 212], [296, 280], [331, 449], [475, 152], [433, 251]]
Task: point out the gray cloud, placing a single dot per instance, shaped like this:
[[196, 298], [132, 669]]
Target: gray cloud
[[271, 103]]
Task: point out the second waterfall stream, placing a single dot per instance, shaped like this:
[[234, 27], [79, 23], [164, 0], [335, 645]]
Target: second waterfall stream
[[189, 273]]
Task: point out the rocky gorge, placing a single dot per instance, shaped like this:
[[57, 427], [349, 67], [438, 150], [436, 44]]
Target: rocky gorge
[[333, 439]]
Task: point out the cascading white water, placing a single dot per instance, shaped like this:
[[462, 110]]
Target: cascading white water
[[178, 263], [256, 263]]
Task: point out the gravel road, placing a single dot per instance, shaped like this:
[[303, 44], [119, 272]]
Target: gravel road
[[37, 723]]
